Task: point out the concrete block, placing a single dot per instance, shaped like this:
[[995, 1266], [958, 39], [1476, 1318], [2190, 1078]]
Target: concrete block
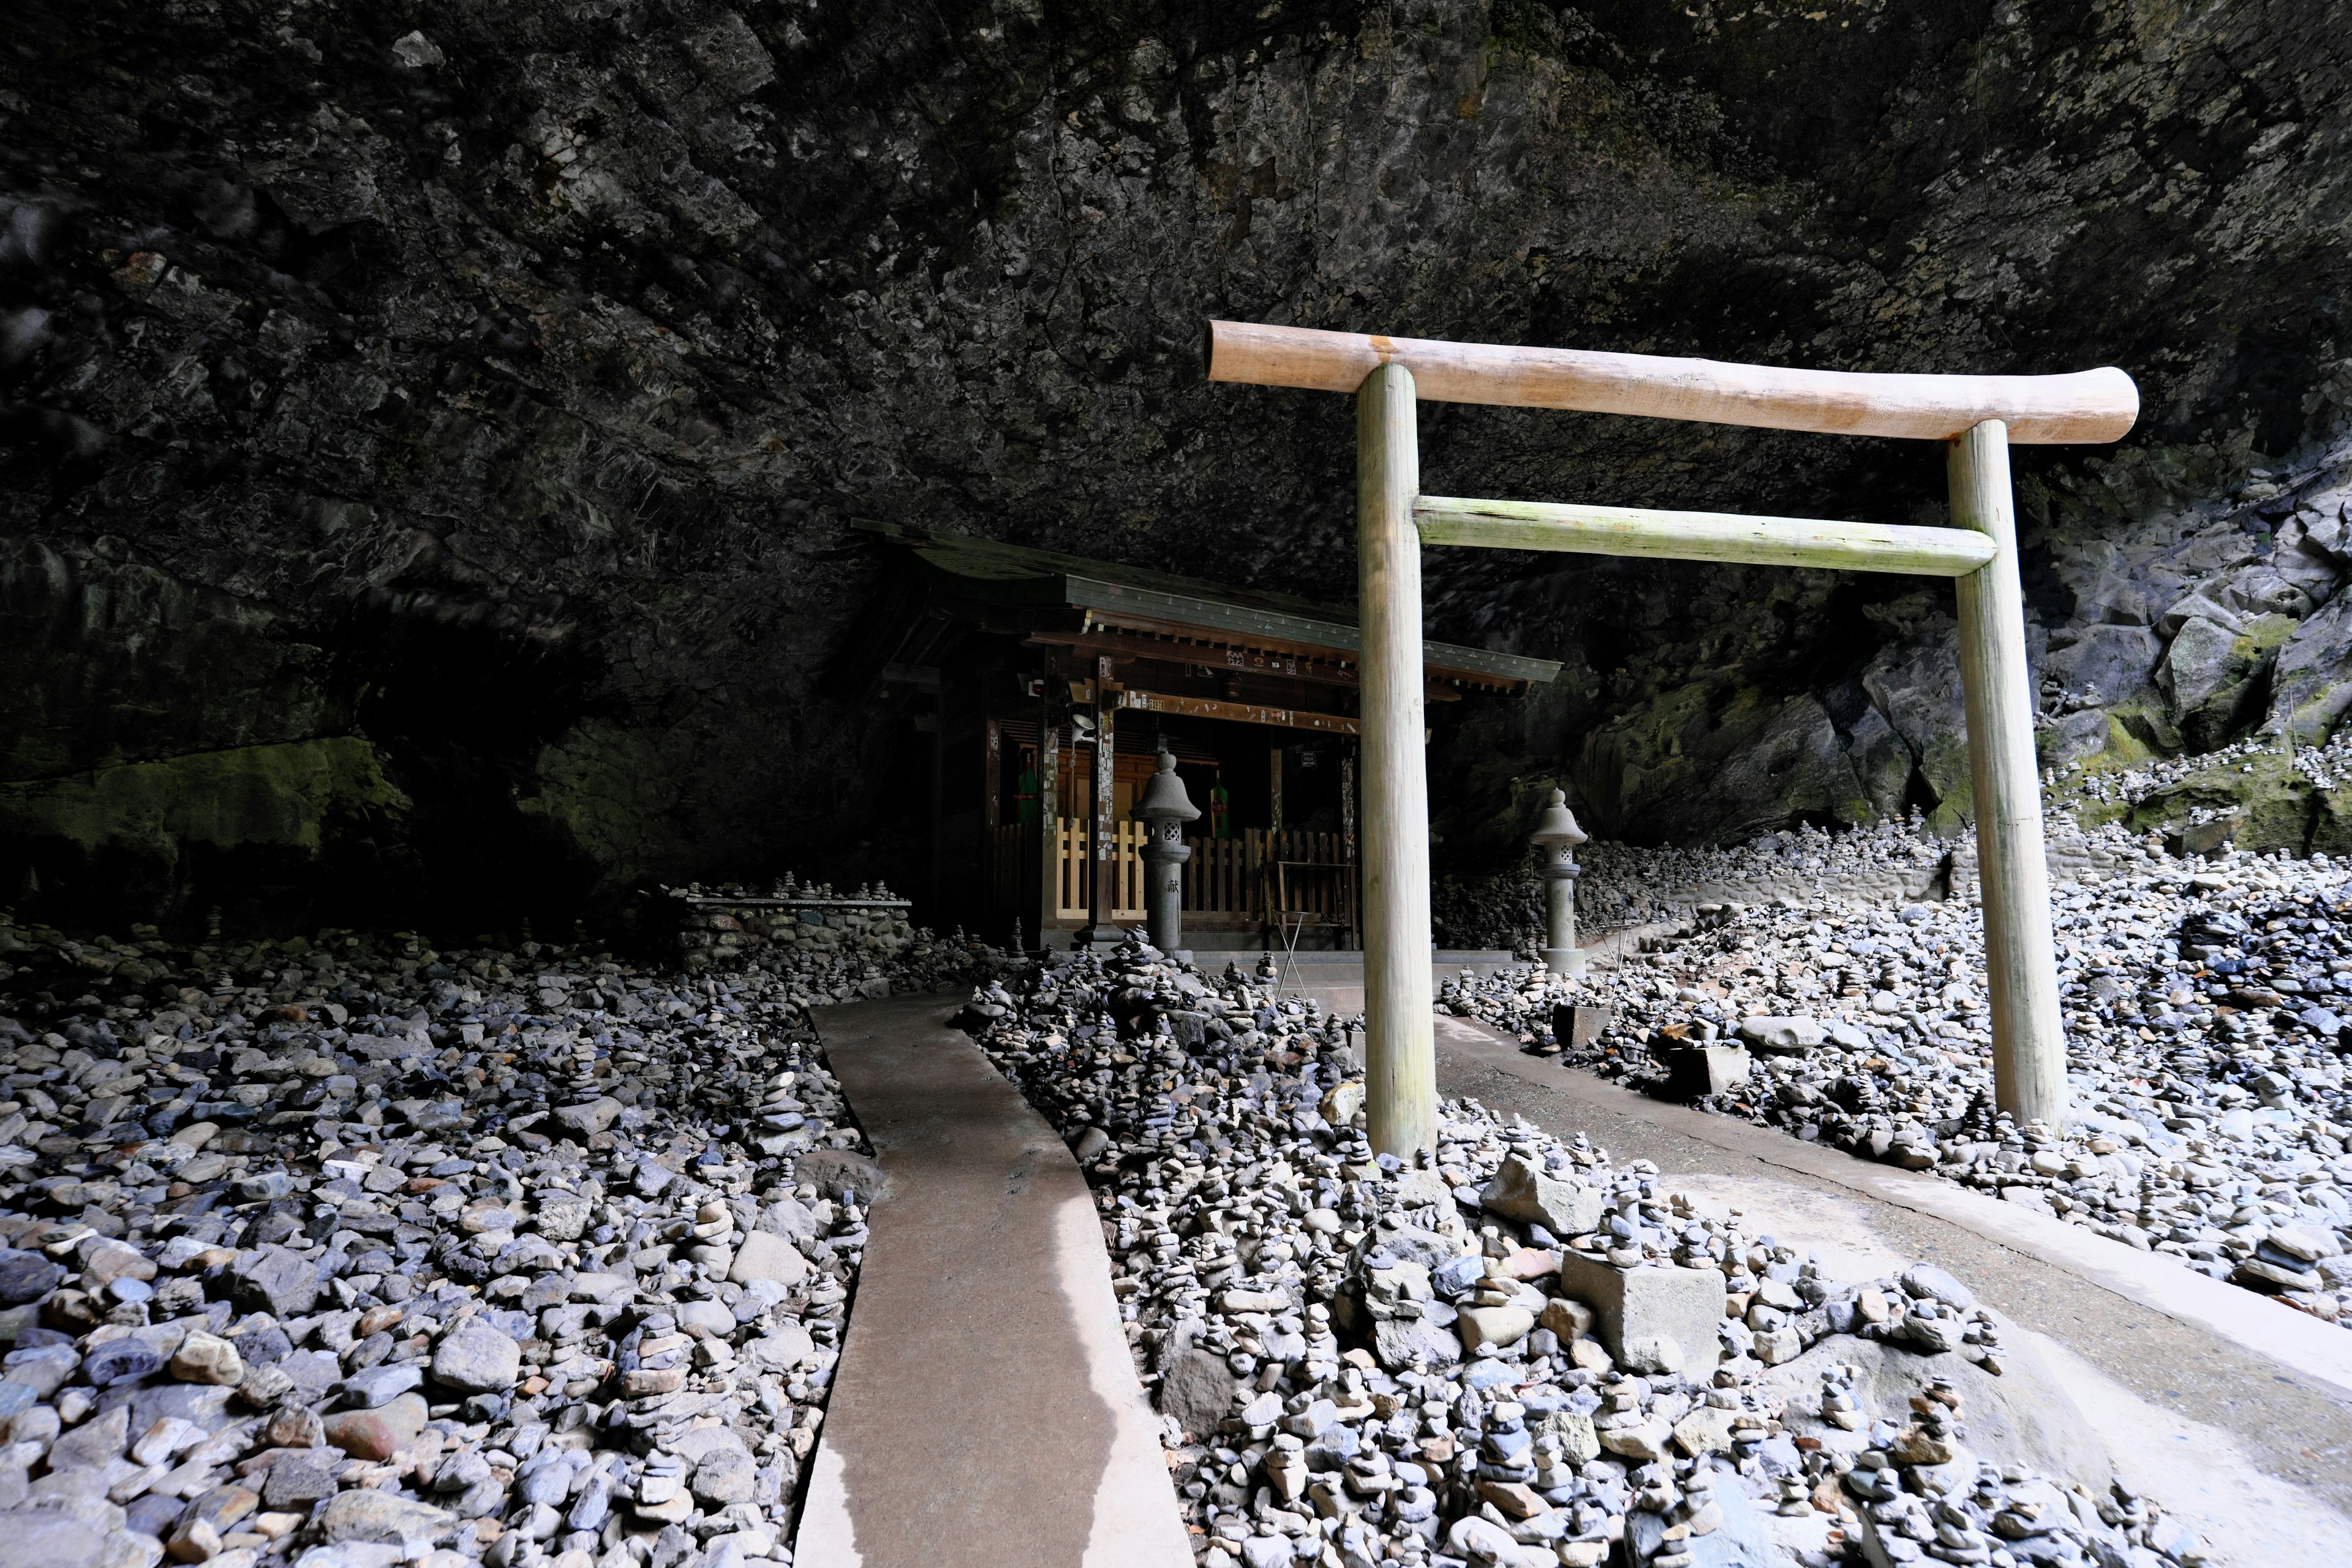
[[1579, 1024], [1695, 1071], [1685, 1304]]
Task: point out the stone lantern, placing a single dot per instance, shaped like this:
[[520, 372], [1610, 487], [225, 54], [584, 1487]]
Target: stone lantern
[[1558, 836], [1164, 810]]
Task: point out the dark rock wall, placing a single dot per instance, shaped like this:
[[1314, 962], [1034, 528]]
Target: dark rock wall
[[430, 429]]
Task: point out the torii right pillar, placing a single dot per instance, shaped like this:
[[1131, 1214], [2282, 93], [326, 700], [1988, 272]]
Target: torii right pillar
[[2029, 1042]]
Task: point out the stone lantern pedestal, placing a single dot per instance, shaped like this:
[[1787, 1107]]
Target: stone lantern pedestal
[[1556, 834], [1164, 810]]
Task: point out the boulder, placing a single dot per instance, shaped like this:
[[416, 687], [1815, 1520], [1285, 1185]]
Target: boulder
[[1525, 1193], [1397, 1341], [2023, 1417], [2311, 687], [1198, 1391], [837, 1172], [2105, 663], [44, 1538], [273, 1279]]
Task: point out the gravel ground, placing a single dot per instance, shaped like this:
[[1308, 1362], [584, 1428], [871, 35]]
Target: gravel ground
[[347, 1251], [2201, 1001], [1360, 1362]]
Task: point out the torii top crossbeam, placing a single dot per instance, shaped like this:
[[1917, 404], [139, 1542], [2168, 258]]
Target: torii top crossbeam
[[2089, 405], [1977, 416]]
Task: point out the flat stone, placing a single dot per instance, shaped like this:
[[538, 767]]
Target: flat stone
[[589, 1117], [42, 1368], [380, 1433], [602, 1288], [1783, 1036], [44, 1538], [835, 1172], [96, 1442], [375, 1385], [113, 1261], [1571, 1320], [28, 1276], [1641, 1442], [2264, 1275], [295, 1483], [476, 1358], [2301, 1243], [781, 1348], [366, 1514], [200, 1404], [1497, 1326], [1927, 1280], [765, 1257], [724, 1476], [1705, 1430], [118, 1361]]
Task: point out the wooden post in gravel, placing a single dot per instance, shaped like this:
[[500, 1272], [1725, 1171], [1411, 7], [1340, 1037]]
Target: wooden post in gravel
[[2029, 1042], [1399, 1047]]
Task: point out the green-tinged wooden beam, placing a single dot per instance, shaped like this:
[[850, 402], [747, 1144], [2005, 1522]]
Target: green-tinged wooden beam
[[1702, 536]]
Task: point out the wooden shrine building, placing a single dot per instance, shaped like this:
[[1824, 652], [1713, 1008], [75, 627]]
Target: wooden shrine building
[[1054, 681]]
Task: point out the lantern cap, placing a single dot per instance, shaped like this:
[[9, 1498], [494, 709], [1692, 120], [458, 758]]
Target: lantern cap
[[1164, 797], [1557, 824]]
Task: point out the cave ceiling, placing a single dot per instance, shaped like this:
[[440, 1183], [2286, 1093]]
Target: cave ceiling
[[491, 388]]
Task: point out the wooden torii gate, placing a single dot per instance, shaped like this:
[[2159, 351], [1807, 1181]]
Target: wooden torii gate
[[1976, 415]]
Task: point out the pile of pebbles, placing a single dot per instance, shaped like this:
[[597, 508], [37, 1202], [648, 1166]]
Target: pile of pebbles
[[1359, 1361], [347, 1252], [2206, 1004]]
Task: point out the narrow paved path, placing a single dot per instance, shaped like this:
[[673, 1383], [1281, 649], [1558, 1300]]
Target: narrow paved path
[[2276, 1383], [985, 1412]]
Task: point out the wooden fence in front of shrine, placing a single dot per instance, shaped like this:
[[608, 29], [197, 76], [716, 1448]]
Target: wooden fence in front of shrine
[[1254, 878]]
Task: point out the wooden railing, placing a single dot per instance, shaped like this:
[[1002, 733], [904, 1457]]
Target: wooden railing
[[1073, 865], [1236, 878], [1232, 875]]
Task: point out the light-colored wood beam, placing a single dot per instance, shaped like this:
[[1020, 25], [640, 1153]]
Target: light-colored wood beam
[[1399, 1044], [1238, 712], [1702, 536], [2028, 1038], [2087, 406]]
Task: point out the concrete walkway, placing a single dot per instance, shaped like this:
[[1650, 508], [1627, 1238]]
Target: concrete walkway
[[985, 1412], [2182, 1363]]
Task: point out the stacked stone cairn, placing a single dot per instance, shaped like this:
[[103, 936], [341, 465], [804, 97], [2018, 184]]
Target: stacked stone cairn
[[347, 1252], [1509, 1350]]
